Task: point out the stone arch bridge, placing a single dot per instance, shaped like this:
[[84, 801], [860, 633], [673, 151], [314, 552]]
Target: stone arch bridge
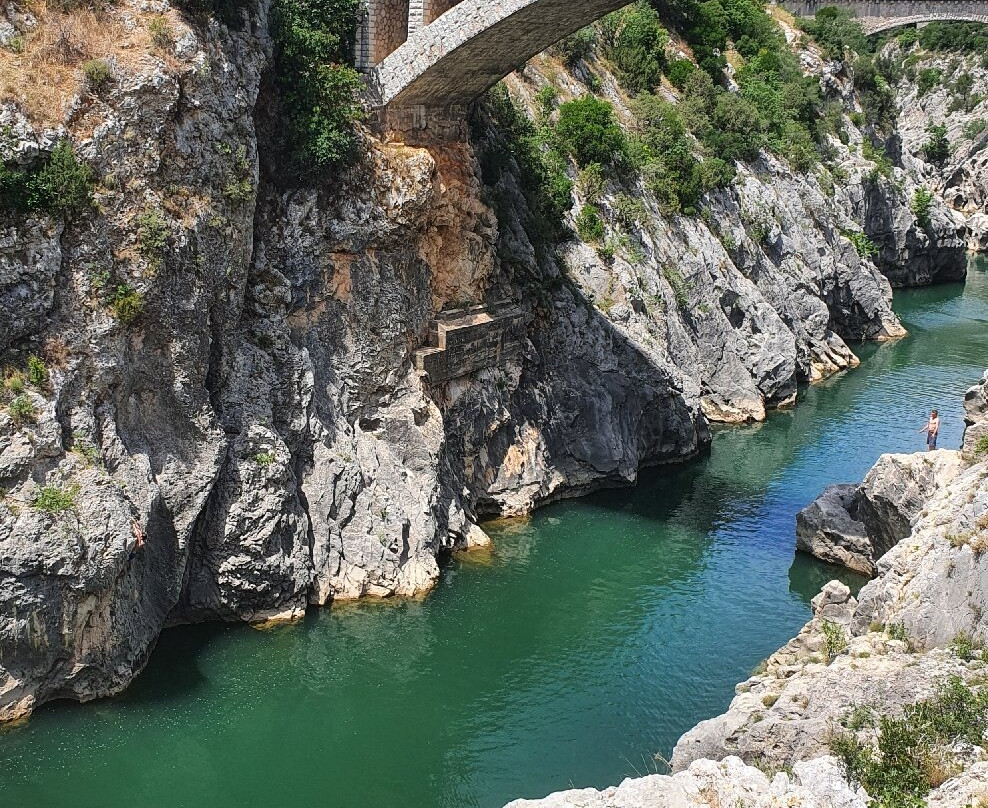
[[429, 54], [876, 16]]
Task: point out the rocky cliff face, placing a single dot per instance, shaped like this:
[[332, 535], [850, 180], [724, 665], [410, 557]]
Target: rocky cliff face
[[918, 627], [963, 178], [228, 358]]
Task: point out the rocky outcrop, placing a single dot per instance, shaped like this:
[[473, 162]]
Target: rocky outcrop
[[856, 525], [975, 442], [813, 784], [963, 179]]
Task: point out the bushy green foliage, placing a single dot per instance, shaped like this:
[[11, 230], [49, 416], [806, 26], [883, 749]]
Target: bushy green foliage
[[920, 206], [37, 372], [265, 458], [21, 410], [676, 280], [679, 71], [834, 638], [960, 37], [318, 89], [937, 147], [161, 33], [665, 154], [899, 769], [588, 130], [637, 47], [152, 236], [589, 225], [577, 46], [837, 32], [126, 303], [541, 169], [981, 445], [97, 74], [55, 498], [928, 80], [864, 245], [876, 96], [61, 185]]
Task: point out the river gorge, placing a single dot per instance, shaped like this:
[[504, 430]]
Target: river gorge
[[586, 640]]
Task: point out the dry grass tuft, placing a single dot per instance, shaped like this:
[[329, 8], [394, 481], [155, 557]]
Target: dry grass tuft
[[47, 72]]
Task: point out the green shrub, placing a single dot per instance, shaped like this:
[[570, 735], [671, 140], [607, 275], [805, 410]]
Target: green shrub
[[588, 131], [265, 458], [834, 638], [920, 206], [958, 37], [318, 89], [37, 372], [152, 237], [981, 445], [97, 74], [62, 185], [897, 631], [630, 211], [937, 147], [972, 129], [577, 46], [21, 410], [638, 47], [677, 282], [161, 34], [541, 170], [837, 32], [126, 303], [679, 71], [928, 80], [965, 647], [545, 100], [908, 37], [55, 499], [864, 245], [589, 225], [910, 754], [13, 382]]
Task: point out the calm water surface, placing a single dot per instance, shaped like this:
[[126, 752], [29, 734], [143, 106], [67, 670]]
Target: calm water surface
[[590, 639]]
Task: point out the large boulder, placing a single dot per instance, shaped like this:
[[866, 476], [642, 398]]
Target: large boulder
[[826, 530], [854, 526], [976, 418]]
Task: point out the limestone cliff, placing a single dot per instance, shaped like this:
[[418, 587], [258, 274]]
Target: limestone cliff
[[225, 360]]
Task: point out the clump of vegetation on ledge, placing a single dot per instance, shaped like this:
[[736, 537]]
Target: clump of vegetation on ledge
[[61, 185], [541, 166], [318, 87], [913, 754]]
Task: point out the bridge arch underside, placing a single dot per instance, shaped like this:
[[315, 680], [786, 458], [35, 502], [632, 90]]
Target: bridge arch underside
[[877, 25], [473, 45]]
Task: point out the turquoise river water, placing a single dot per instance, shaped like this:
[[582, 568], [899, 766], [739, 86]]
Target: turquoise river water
[[592, 636]]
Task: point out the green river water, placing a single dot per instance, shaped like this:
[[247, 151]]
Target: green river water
[[592, 636]]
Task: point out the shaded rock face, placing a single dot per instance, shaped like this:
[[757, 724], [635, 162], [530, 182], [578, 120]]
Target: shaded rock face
[[856, 525], [261, 423], [976, 419]]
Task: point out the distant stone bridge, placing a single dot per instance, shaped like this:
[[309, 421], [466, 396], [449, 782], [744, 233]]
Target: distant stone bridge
[[876, 16], [428, 54]]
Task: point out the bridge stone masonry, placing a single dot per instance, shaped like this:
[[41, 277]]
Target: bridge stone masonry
[[883, 15], [426, 55]]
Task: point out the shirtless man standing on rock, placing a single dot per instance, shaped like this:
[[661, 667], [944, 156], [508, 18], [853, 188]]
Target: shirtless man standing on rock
[[932, 429]]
